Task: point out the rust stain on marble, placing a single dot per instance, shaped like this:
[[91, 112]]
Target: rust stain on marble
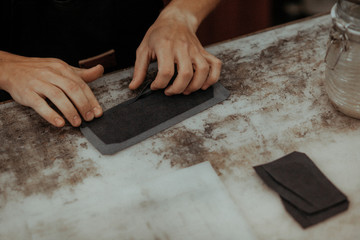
[[186, 148], [39, 158], [36, 157], [290, 58], [288, 72], [183, 148]]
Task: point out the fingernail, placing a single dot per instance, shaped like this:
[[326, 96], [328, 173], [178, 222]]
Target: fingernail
[[97, 111], [89, 116], [59, 122], [77, 121]]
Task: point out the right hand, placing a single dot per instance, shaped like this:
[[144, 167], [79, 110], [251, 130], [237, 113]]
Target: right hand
[[31, 80]]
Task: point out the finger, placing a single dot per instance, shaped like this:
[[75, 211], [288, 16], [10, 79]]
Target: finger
[[75, 91], [184, 76], [59, 99], [215, 70], [166, 69], [80, 93], [91, 74], [45, 111], [200, 75], [141, 65], [71, 81]]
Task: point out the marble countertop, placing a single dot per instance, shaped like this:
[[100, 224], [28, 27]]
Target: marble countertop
[[55, 185]]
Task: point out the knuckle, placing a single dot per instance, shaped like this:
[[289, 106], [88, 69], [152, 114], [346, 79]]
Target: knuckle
[[177, 90], [44, 70], [187, 74], [217, 62], [203, 68], [165, 42], [192, 88], [140, 50], [195, 86], [184, 41], [72, 86], [84, 109], [60, 65], [36, 103], [166, 73], [56, 93], [159, 84], [212, 80], [83, 85], [32, 83]]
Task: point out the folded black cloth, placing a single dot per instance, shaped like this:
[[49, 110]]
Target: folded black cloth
[[137, 119], [306, 192]]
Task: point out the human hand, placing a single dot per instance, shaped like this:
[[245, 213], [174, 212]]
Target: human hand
[[31, 80], [172, 40]]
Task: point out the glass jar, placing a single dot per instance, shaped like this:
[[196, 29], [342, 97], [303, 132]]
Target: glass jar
[[342, 74]]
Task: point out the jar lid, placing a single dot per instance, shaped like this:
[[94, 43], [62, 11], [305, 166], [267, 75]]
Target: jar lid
[[346, 18]]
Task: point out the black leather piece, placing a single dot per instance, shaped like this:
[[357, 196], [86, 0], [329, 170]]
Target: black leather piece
[[137, 119], [308, 195], [307, 220], [125, 121]]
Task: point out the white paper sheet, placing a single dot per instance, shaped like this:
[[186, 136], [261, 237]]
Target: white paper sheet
[[191, 203]]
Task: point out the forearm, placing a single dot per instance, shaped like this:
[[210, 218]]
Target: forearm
[[193, 12], [3, 76], [5, 59]]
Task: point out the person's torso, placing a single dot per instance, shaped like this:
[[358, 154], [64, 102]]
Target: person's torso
[[76, 29]]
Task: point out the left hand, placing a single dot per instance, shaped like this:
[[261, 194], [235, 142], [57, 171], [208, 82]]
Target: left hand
[[172, 40]]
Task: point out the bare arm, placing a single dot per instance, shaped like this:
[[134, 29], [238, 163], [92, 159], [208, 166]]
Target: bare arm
[[172, 40]]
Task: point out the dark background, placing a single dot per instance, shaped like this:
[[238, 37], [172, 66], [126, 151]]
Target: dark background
[[233, 18]]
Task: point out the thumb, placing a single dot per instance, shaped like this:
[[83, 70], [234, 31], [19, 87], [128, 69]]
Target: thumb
[[91, 74]]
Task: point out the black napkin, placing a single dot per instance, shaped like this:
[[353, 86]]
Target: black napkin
[[137, 119], [306, 192]]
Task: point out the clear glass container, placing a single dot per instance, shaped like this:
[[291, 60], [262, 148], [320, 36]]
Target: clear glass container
[[342, 74]]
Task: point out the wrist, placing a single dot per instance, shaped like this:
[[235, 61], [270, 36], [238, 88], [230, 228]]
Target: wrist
[[174, 14], [6, 70], [189, 11], [3, 75]]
